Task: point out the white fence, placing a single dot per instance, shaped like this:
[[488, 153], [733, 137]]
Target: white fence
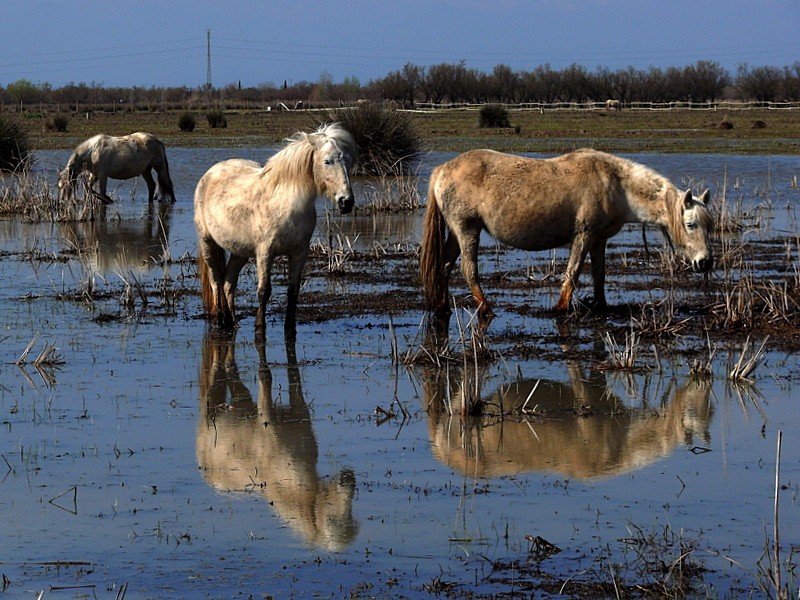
[[642, 106]]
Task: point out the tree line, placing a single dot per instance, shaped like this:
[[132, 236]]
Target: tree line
[[704, 81]]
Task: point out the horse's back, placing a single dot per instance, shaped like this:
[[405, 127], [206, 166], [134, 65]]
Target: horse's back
[[222, 196], [229, 176], [529, 203]]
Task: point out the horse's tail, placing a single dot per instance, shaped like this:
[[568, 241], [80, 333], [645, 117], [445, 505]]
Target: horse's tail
[[206, 293], [431, 262], [164, 180]]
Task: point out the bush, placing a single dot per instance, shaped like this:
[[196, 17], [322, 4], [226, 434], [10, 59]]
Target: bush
[[493, 115], [14, 150], [187, 122], [386, 139], [57, 123], [216, 119]]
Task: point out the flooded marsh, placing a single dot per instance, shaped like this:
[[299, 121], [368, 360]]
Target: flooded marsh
[[145, 456]]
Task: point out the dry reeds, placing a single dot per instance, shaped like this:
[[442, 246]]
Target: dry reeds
[[748, 361], [392, 192], [623, 357], [29, 195]]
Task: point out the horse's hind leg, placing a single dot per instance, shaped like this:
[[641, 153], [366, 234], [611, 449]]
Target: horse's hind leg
[[450, 254], [469, 240], [232, 270], [577, 255], [214, 257]]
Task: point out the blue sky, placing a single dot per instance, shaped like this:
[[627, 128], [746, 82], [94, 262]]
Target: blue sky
[[163, 43]]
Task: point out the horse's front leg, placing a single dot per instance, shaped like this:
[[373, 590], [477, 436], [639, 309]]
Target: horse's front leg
[[296, 263], [264, 267], [597, 253], [577, 255], [147, 175], [102, 185]]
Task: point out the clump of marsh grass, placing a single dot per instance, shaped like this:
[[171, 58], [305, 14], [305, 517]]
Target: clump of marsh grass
[[187, 122], [216, 119], [58, 123], [660, 319], [387, 141], [494, 116], [46, 363], [392, 192], [14, 149], [623, 356], [30, 196], [666, 559], [703, 368], [338, 250], [748, 361]]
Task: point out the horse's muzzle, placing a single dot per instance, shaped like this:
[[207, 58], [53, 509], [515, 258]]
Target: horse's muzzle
[[345, 203], [703, 265]]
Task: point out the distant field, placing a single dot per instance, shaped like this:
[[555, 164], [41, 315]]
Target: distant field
[[723, 131]]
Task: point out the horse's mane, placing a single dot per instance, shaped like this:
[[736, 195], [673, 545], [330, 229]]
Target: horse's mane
[[293, 165], [653, 187]]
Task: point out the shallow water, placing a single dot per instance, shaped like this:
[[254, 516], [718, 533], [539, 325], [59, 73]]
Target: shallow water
[[179, 464]]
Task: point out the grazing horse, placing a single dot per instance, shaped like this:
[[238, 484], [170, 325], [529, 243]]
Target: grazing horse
[[582, 198], [612, 104], [263, 212], [103, 156]]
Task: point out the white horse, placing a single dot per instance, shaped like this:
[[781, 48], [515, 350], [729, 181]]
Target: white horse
[[263, 212], [103, 156]]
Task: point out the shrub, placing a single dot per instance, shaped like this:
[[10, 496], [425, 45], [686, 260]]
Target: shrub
[[57, 123], [14, 150], [493, 115], [187, 122], [387, 141], [216, 119]]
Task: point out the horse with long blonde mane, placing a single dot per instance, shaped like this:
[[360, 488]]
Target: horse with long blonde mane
[[104, 156], [249, 210], [579, 199]]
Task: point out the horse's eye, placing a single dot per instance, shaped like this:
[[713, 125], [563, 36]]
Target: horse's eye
[[329, 161], [691, 226]]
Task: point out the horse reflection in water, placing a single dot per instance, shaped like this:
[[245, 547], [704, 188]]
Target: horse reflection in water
[[116, 244], [269, 448], [582, 430]]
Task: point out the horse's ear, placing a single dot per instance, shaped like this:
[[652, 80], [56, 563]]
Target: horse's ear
[[687, 199], [705, 197]]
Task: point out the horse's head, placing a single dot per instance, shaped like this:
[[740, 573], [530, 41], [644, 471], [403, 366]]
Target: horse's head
[[67, 183], [333, 159], [696, 224]]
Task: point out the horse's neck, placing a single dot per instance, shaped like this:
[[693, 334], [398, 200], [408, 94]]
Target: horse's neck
[[646, 206], [79, 159]]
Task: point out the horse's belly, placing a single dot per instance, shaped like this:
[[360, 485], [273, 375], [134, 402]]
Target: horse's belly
[[533, 236], [234, 239]]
